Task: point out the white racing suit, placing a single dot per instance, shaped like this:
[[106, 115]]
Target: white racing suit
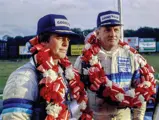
[[121, 67], [21, 96]]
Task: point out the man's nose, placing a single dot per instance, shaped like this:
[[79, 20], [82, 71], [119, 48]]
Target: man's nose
[[112, 33], [66, 41]]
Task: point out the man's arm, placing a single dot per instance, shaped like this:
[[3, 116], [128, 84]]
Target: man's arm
[[82, 68], [138, 113], [19, 95]]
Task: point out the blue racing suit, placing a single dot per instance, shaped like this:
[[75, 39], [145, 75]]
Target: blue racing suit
[[21, 99]]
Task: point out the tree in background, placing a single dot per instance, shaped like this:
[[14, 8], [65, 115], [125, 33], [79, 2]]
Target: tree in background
[[143, 32]]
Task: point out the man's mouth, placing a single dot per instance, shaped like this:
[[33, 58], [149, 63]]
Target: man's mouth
[[63, 50], [111, 40]]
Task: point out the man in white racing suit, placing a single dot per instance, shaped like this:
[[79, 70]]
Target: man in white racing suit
[[120, 66]]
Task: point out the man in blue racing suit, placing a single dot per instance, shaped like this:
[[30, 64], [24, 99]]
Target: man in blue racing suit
[[21, 100]]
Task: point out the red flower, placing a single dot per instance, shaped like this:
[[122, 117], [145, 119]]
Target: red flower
[[54, 91], [87, 55], [49, 117], [43, 56], [34, 41], [95, 49], [65, 62]]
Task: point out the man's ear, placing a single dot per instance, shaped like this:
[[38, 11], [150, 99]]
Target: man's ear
[[97, 33]]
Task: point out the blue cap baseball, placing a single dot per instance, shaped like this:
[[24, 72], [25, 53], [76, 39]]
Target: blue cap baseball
[[108, 18], [56, 24]]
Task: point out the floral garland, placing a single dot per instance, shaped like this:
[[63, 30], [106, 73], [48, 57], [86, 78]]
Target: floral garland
[[53, 87], [131, 98]]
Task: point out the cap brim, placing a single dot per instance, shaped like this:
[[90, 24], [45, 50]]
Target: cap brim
[[67, 33], [111, 23]]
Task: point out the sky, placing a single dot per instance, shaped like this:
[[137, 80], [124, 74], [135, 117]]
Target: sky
[[20, 17]]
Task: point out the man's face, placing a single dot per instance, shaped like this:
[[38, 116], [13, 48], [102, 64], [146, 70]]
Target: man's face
[[58, 46], [109, 37]]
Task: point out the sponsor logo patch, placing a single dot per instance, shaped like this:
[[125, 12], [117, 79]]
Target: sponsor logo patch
[[109, 17], [62, 22], [124, 64]]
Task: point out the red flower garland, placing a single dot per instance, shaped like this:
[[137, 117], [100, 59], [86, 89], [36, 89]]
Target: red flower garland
[[53, 89], [132, 98]]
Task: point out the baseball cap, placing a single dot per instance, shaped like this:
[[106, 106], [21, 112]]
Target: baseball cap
[[108, 18], [56, 24]]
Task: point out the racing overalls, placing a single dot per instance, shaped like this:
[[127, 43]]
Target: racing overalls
[[21, 99], [121, 67]]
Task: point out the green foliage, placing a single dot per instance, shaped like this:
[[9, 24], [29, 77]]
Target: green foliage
[[77, 30], [82, 32], [143, 32]]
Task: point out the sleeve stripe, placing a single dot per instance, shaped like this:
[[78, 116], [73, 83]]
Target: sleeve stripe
[[17, 100], [16, 109], [19, 105]]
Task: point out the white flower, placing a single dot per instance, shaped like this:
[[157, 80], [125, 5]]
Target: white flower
[[93, 60], [143, 63], [127, 47], [154, 90], [53, 109], [51, 61], [151, 76], [109, 84], [147, 83], [69, 73], [50, 73], [131, 93], [141, 98], [87, 46], [82, 105], [120, 97]]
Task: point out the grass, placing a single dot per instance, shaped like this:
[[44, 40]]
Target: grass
[[7, 67], [153, 60]]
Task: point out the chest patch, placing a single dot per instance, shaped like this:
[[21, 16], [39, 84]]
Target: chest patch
[[124, 64]]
